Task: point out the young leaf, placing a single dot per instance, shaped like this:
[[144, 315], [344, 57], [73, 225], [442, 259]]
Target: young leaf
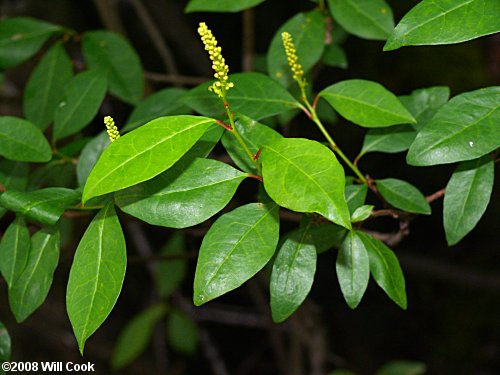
[[135, 337], [353, 269], [308, 32], [161, 103], [467, 195], [366, 103], [403, 195], [5, 344], [45, 87], [293, 274], [82, 98], [96, 275], [255, 134], [170, 273], [115, 57], [21, 38], [254, 94], [89, 156], [335, 56], [185, 195], [385, 269], [144, 153], [20, 140], [220, 5], [355, 196], [237, 246], [369, 19], [14, 250], [30, 290], [361, 213], [305, 176], [45, 205], [465, 128], [445, 22], [182, 333]]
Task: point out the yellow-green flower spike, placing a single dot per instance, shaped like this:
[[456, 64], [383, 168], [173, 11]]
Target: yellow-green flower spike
[[113, 132], [218, 63], [291, 54]]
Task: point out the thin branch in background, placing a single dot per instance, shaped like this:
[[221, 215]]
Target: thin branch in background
[[438, 194], [175, 78], [109, 16], [156, 37], [212, 353], [248, 41]]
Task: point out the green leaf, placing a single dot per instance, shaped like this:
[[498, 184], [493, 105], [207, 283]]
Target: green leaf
[[467, 195], [135, 337], [361, 213], [82, 98], [465, 128], [390, 140], [45, 87], [355, 196], [115, 57], [255, 135], [182, 333], [369, 19], [326, 235], [366, 103], [89, 156], [237, 246], [14, 250], [220, 5], [30, 290], [335, 56], [353, 269], [444, 22], [21, 38], [403, 368], [20, 140], [187, 194], [170, 273], [96, 275], [45, 205], [385, 269], [292, 275], [305, 176], [162, 103], [254, 94], [5, 344], [403, 195], [13, 174], [144, 153], [308, 33], [206, 143]]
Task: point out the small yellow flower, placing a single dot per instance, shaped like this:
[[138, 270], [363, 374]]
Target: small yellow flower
[[113, 132], [218, 63], [291, 54]]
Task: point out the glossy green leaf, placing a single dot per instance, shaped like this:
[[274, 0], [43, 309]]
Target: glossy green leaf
[[390, 140], [182, 333], [30, 290], [5, 344], [237, 246], [171, 272], [361, 213], [369, 19], [326, 235], [162, 103], [115, 57], [20, 140], [445, 22], [467, 195], [402, 368], [82, 98], [144, 153], [21, 38], [335, 56], [308, 33], [255, 134], [465, 128], [403, 195], [355, 196], [220, 5], [96, 275], [89, 156], [14, 250], [46, 85], [254, 94], [385, 269], [353, 269], [292, 275], [135, 337], [45, 205], [185, 195], [305, 176], [366, 103]]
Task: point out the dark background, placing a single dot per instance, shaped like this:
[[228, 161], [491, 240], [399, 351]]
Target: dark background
[[452, 323]]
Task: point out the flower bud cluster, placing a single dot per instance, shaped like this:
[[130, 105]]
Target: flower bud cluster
[[113, 132], [291, 54], [218, 63]]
